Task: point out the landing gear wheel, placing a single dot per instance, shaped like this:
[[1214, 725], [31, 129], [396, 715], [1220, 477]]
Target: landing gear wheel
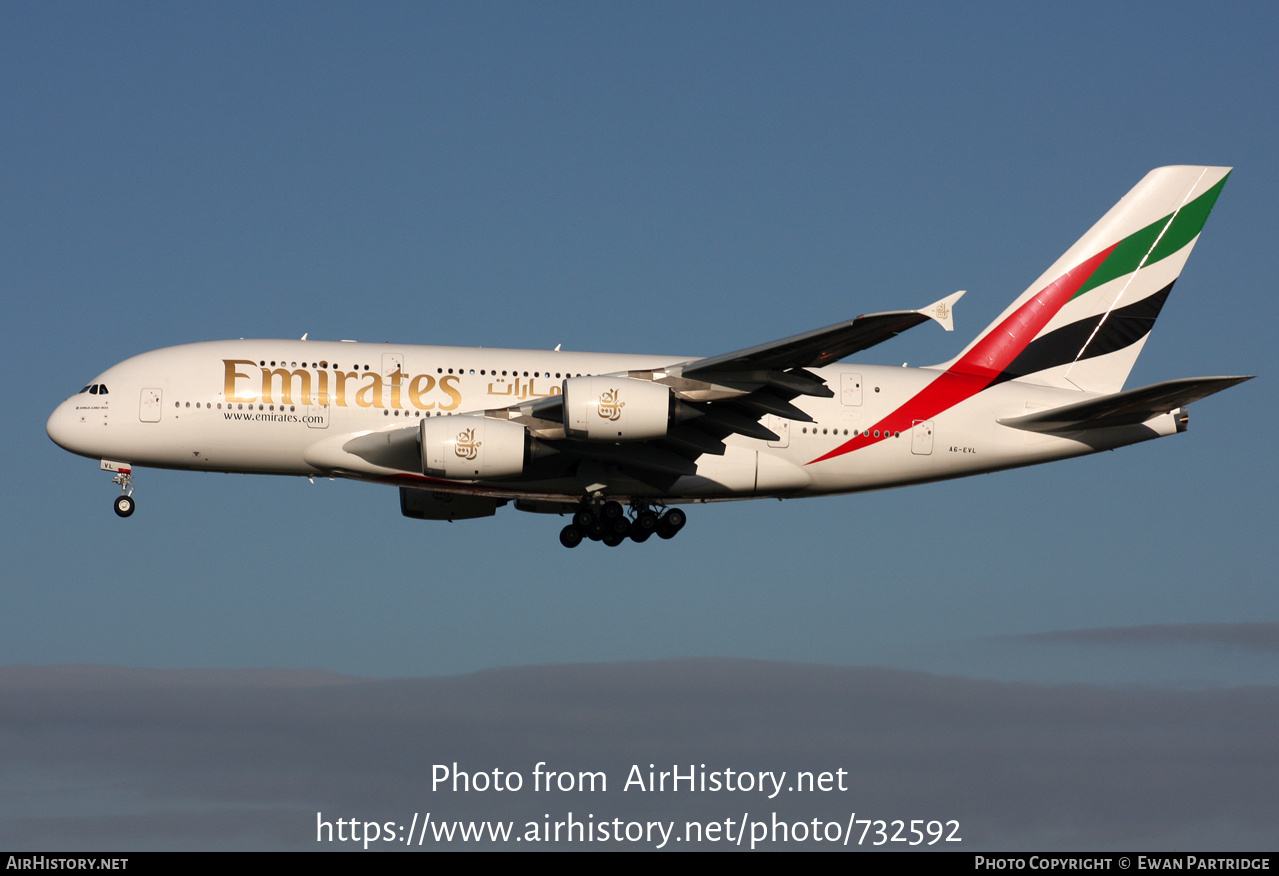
[[672, 522], [124, 504], [613, 511], [584, 519], [645, 522], [570, 536], [643, 526], [613, 539]]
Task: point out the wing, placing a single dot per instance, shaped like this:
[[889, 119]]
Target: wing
[[697, 403], [717, 396], [824, 345]]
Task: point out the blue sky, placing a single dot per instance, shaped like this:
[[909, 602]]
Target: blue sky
[[662, 178], [655, 179]]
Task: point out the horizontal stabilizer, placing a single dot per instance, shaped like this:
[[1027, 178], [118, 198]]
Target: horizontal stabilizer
[[1126, 408]]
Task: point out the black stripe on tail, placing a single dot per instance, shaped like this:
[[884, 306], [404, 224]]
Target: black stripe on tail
[[1123, 328]]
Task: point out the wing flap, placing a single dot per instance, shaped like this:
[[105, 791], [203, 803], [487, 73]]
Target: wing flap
[[646, 457]]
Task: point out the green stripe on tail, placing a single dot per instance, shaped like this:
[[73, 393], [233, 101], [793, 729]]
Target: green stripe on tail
[[1128, 255]]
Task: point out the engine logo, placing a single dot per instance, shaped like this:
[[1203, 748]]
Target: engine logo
[[610, 408], [467, 447]]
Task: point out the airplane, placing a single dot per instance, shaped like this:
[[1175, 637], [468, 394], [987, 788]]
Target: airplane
[[620, 442]]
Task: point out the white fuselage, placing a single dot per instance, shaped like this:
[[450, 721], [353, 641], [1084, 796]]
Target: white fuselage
[[289, 408]]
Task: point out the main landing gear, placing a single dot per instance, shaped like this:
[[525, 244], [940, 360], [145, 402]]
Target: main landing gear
[[608, 523]]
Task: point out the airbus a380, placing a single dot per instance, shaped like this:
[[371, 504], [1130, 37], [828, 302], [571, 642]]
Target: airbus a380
[[620, 441]]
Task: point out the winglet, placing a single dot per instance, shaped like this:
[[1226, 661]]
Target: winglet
[[943, 310]]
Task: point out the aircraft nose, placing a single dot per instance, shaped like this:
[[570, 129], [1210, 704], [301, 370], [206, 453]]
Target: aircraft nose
[[58, 426], [68, 429]]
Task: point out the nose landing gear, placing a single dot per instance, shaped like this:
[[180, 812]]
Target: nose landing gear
[[124, 504], [607, 522]]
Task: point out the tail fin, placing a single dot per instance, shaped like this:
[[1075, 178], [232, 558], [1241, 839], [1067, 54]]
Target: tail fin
[[1082, 324]]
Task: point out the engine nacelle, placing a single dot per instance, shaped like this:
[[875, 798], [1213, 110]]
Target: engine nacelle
[[472, 448], [615, 409]]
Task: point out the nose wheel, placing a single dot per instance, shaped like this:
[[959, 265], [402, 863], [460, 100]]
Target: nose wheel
[[124, 504]]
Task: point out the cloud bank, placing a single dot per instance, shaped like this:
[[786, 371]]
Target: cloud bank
[[1260, 636], [119, 759]]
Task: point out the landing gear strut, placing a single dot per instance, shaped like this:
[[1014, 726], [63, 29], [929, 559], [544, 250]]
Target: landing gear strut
[[607, 522], [124, 504]]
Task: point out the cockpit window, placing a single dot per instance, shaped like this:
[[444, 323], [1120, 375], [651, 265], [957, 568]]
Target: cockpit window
[[83, 391], [94, 389], [102, 389]]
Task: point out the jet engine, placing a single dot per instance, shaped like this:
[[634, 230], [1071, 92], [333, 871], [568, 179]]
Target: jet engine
[[619, 409], [473, 448]]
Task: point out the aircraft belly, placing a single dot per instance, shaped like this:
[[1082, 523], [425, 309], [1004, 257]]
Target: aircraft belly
[[743, 471], [962, 441]]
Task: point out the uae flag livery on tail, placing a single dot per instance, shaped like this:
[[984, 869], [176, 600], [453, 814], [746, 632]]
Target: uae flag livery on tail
[[1083, 323]]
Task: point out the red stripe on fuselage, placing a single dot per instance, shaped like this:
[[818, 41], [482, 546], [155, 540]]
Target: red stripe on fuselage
[[988, 358]]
